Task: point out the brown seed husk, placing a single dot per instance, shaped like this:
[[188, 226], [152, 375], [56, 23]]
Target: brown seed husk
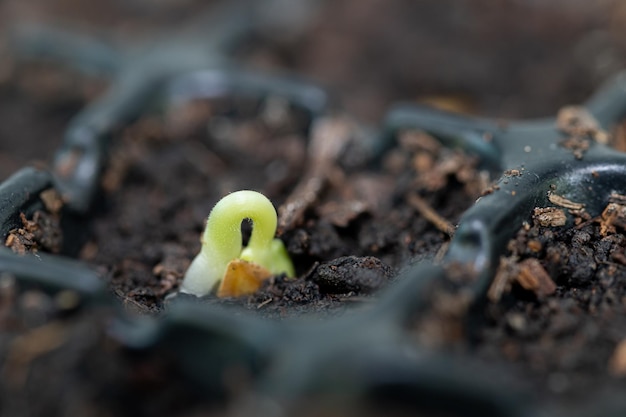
[[242, 278]]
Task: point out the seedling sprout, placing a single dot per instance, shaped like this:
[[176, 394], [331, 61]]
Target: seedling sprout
[[223, 260]]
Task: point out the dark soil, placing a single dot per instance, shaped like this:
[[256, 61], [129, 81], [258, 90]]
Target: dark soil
[[554, 315], [159, 188], [557, 317], [566, 325]]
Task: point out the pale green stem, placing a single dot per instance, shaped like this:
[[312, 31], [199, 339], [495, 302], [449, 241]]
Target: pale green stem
[[221, 241]]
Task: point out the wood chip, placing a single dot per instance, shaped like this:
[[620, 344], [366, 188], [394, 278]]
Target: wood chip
[[617, 198], [42, 232], [549, 216], [529, 274], [564, 202], [23, 240], [532, 276], [613, 215]]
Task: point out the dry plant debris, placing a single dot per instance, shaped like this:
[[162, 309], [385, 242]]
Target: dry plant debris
[[614, 215], [581, 128], [426, 211], [528, 274], [549, 216], [564, 202], [329, 138], [42, 232]]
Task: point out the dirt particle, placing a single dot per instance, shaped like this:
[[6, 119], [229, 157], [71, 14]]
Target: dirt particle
[[576, 121], [613, 215], [532, 276], [42, 232], [352, 274], [534, 245], [52, 201], [549, 216], [512, 173], [516, 322]]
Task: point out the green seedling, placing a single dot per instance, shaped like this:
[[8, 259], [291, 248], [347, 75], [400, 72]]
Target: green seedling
[[222, 244]]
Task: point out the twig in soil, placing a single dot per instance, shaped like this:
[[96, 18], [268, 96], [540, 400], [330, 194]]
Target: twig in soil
[[264, 303], [564, 202], [329, 138], [128, 302], [419, 204]]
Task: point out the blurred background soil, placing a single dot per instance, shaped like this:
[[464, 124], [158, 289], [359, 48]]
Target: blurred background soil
[[505, 59], [510, 58]]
